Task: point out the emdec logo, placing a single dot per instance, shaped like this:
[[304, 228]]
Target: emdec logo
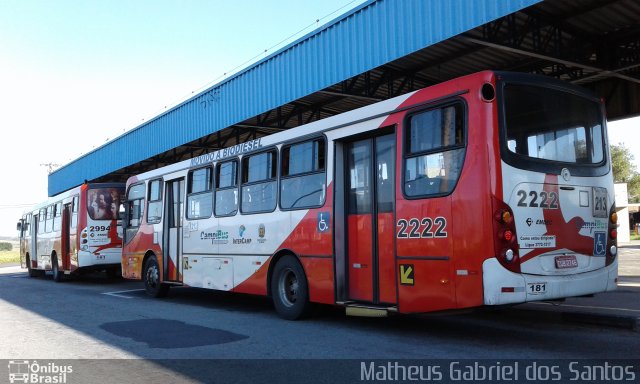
[[26, 372]]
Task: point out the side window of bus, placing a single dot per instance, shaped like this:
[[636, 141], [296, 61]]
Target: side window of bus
[[434, 150], [74, 211], [133, 209], [303, 175], [154, 208], [259, 182], [42, 217], [200, 193], [227, 188], [57, 216], [48, 225]]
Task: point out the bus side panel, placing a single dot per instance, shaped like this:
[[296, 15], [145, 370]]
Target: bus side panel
[[320, 272], [452, 263], [424, 259], [472, 234], [46, 246], [142, 242], [314, 249], [386, 253], [257, 283], [471, 207], [312, 241]]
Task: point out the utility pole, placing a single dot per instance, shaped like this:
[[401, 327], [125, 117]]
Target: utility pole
[[50, 166]]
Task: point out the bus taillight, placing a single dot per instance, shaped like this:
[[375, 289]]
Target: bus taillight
[[612, 245], [505, 239]]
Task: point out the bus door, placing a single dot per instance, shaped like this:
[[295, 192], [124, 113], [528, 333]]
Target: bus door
[[172, 239], [25, 238], [66, 237], [33, 251], [370, 187]]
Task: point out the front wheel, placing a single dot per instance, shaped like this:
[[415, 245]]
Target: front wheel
[[32, 272], [289, 289], [151, 277]]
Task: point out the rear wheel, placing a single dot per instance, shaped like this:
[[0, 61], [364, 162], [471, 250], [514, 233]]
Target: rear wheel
[[151, 278], [55, 270], [290, 290]]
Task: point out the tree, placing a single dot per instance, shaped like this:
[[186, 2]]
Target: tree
[[5, 246], [624, 171]]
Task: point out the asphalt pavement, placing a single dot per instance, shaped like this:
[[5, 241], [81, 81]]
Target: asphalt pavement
[[620, 308]]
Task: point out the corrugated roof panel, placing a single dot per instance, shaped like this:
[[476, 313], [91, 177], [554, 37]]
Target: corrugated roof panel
[[366, 37]]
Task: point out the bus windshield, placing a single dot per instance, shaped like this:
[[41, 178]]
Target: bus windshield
[[553, 125]]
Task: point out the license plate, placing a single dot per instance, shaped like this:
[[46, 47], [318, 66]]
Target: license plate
[[536, 288], [599, 202], [563, 262]]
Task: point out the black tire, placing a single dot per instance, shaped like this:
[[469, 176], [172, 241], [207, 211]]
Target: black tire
[[290, 290], [55, 270], [151, 278], [32, 272]]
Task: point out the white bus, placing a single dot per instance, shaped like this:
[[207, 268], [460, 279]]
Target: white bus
[[493, 188], [73, 231]]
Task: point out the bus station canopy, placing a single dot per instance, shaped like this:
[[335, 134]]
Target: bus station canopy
[[378, 50]]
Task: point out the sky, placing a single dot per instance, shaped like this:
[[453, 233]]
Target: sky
[[75, 74]]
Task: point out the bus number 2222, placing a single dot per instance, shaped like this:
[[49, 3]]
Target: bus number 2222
[[425, 228]]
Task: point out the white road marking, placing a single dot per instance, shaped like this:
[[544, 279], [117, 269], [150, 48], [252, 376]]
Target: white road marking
[[11, 269], [119, 293]]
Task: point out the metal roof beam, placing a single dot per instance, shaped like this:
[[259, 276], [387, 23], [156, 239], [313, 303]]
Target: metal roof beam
[[561, 22], [351, 95], [260, 128], [281, 120], [602, 72]]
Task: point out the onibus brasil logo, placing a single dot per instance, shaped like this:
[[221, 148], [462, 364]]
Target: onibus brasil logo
[[23, 371]]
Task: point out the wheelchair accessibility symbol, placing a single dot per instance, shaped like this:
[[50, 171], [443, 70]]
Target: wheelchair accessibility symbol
[[323, 221], [599, 244]]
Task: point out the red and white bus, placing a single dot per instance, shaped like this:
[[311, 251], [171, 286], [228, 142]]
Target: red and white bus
[[74, 231], [489, 189]]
